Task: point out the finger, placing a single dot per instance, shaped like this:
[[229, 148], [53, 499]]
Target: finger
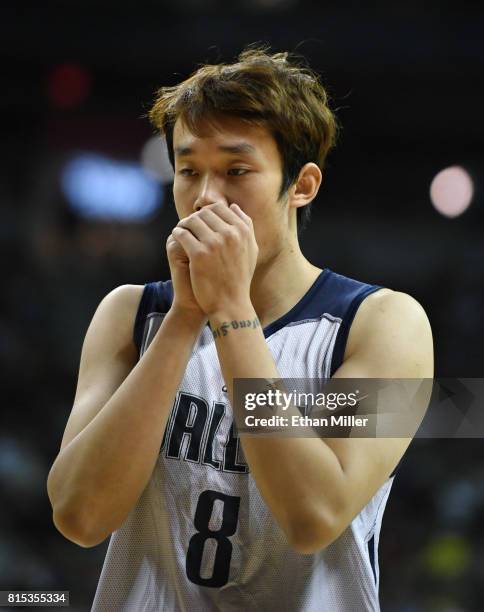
[[170, 240], [240, 213], [172, 243], [197, 227], [226, 213], [186, 239], [214, 221]]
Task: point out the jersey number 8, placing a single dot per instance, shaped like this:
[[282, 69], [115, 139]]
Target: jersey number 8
[[223, 554]]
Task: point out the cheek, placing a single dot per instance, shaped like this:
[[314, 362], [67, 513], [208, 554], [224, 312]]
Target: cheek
[[269, 227], [257, 197], [177, 191], [182, 202]]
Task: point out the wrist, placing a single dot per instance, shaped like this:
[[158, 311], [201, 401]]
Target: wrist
[[233, 311], [191, 318]]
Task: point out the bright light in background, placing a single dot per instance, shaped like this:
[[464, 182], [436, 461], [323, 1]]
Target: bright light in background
[[105, 189], [154, 159], [451, 191]]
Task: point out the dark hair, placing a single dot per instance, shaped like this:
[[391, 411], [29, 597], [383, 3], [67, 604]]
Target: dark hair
[[274, 91]]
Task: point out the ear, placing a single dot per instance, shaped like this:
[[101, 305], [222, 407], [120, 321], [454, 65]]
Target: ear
[[306, 187]]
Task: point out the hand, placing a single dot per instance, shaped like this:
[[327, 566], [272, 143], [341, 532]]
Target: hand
[[183, 298], [222, 252]]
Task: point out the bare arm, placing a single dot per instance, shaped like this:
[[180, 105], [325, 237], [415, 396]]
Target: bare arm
[[114, 432]]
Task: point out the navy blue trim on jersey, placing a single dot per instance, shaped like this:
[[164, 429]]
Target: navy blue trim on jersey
[[306, 308], [371, 554], [332, 294], [342, 338], [156, 297], [140, 319]]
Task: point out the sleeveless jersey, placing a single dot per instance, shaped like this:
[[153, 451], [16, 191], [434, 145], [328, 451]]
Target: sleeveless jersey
[[201, 538]]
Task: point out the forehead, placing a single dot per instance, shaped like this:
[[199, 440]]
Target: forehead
[[229, 135]]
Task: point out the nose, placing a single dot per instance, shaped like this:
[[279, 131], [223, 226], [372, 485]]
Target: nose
[[209, 193]]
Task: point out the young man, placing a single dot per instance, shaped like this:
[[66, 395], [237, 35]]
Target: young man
[[202, 519]]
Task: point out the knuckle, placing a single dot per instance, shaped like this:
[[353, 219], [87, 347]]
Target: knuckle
[[218, 239], [211, 245], [225, 238], [186, 221], [203, 252]]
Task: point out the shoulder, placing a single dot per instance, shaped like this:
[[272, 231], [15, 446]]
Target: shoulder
[[123, 299], [390, 308], [391, 325], [116, 314]]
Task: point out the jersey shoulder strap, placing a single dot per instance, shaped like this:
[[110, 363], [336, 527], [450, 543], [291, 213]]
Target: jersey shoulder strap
[[156, 298], [342, 297]]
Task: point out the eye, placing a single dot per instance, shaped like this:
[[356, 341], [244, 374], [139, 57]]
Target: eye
[[238, 171], [186, 172]]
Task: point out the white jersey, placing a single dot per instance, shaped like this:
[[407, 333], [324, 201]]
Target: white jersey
[[201, 538]]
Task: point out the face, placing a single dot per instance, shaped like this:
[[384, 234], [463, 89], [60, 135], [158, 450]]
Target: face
[[232, 162]]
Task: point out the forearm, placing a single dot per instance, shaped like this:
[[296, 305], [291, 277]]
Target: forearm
[[300, 479], [98, 477]]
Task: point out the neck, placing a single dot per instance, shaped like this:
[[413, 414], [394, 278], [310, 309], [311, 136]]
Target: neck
[[279, 283]]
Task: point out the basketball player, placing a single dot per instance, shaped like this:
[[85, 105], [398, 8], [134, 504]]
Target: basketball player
[[201, 519]]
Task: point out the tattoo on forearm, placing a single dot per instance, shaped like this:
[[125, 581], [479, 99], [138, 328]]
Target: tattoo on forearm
[[226, 326]]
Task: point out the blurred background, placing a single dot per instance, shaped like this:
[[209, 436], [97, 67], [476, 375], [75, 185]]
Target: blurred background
[[87, 206]]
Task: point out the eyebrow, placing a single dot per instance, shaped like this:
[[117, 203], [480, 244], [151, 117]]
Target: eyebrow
[[241, 147]]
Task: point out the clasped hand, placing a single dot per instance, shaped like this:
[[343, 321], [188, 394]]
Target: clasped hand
[[220, 246]]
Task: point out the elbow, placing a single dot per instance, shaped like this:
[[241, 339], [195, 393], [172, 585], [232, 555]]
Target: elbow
[[75, 520], [311, 534], [76, 529]]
